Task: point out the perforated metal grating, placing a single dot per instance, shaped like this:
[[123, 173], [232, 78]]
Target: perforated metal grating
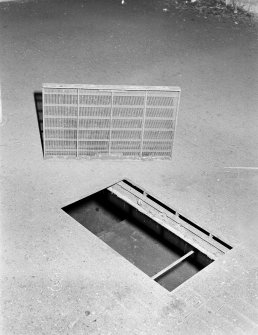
[[96, 121]]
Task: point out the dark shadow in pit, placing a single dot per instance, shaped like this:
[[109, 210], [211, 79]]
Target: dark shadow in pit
[[39, 111], [137, 237]]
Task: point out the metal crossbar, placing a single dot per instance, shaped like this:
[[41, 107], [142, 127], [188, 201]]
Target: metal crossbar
[[171, 266], [96, 121]]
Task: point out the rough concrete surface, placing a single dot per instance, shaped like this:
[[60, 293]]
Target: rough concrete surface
[[57, 277], [250, 5]]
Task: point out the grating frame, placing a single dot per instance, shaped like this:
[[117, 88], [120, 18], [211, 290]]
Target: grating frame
[[109, 121]]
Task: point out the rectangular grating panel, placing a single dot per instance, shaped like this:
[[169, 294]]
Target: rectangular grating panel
[[96, 121]]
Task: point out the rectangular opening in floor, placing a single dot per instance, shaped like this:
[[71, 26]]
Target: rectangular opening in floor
[[157, 239], [109, 121]]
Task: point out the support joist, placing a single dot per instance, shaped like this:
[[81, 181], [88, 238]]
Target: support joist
[[171, 266]]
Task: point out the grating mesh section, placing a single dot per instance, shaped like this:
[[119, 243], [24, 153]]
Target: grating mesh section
[[92, 112], [112, 121]]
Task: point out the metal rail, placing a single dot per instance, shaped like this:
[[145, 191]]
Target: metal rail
[[113, 87], [171, 266]]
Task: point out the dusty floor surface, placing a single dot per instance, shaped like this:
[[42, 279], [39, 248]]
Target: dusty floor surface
[[58, 278]]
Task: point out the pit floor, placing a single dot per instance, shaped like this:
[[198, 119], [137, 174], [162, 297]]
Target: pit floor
[[56, 277], [132, 239]]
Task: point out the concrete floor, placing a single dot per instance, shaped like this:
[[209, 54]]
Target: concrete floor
[[57, 277]]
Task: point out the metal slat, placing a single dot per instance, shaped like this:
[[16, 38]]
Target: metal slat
[[111, 120], [111, 87], [44, 129], [143, 122], [78, 120], [171, 266], [175, 126]]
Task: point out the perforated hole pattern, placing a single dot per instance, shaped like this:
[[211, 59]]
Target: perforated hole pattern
[[95, 123]]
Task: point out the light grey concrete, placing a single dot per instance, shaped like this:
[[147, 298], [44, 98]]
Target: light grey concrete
[[249, 5], [58, 278]]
